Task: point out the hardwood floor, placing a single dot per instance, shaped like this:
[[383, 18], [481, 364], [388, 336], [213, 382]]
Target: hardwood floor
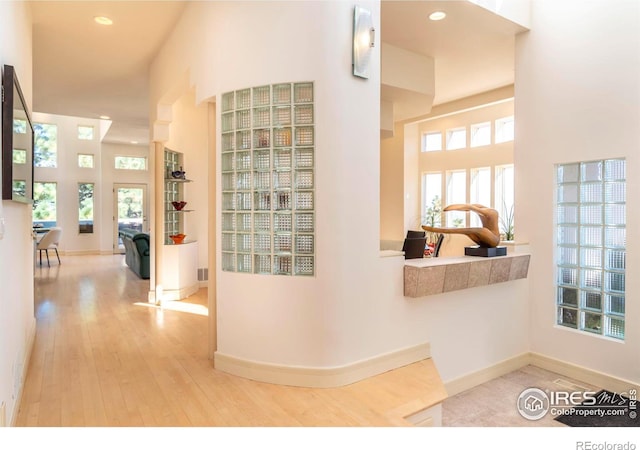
[[103, 356]]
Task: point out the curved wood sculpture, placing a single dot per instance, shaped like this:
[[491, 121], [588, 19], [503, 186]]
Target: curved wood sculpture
[[488, 236]]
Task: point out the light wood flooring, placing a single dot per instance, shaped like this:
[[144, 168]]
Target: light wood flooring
[[103, 356]]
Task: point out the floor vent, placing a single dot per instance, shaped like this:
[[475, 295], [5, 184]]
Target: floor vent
[[203, 274], [569, 385]]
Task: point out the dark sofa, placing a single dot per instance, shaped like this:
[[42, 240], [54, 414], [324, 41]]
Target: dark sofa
[[137, 251]]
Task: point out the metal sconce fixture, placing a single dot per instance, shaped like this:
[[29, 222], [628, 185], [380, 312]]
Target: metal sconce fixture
[[363, 41]]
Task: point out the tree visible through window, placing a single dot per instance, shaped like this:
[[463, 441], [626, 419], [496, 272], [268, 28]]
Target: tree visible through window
[[131, 163], [45, 145], [85, 207], [44, 203]]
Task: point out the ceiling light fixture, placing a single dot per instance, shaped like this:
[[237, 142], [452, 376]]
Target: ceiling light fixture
[[105, 117], [134, 142], [437, 15], [102, 20]]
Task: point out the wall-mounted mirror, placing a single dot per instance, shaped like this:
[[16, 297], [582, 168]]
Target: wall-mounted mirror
[[17, 141]]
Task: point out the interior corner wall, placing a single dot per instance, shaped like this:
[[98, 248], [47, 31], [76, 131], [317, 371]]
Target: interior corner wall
[[188, 132], [392, 185], [17, 322], [577, 99]]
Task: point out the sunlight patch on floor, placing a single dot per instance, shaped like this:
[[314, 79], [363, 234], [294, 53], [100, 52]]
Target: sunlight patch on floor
[[190, 308]]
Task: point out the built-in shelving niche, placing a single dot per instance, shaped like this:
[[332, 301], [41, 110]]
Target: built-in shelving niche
[[267, 173]]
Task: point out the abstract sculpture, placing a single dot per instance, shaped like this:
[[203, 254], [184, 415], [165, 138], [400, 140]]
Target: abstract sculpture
[[487, 236]]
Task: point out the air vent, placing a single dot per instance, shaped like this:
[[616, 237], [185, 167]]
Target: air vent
[[203, 274]]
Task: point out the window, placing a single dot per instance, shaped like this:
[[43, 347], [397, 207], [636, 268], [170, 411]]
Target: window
[[45, 145], [85, 133], [85, 207], [456, 193], [131, 163], [481, 134], [44, 204], [591, 242], [432, 197], [19, 126], [268, 180], [504, 129], [85, 161], [432, 141], [504, 203], [480, 191], [456, 138], [19, 187], [19, 156]]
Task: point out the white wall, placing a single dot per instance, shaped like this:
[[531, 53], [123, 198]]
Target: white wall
[[189, 135], [17, 322], [577, 99]]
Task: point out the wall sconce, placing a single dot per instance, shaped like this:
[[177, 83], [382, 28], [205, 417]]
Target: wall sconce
[[363, 41]]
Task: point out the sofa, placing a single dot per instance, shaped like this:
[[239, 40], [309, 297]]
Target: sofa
[[137, 251]]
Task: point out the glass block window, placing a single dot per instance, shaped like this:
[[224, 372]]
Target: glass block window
[[268, 180], [591, 242]]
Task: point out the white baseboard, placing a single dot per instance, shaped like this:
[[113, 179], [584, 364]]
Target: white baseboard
[[320, 377], [31, 339], [172, 295], [603, 380], [481, 376], [569, 370]]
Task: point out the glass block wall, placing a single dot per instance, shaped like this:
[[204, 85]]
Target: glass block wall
[[267, 172], [591, 254]]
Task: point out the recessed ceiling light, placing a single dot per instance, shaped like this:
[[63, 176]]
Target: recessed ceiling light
[[102, 20], [437, 15], [134, 142], [105, 117]]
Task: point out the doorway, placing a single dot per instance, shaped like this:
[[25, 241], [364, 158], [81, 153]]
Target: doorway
[[130, 211]]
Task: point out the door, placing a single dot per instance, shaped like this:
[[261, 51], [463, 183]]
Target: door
[[130, 211]]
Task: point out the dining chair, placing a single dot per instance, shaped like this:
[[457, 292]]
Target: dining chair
[[50, 241]]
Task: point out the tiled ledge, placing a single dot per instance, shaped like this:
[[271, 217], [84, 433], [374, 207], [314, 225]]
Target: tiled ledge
[[431, 276]]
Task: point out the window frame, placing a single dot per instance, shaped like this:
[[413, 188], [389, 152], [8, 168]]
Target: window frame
[[584, 249]]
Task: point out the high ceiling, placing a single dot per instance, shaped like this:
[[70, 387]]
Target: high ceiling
[[88, 70]]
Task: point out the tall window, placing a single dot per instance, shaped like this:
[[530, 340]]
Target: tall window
[[432, 197], [504, 203], [85, 207], [456, 193], [480, 191], [591, 240], [44, 204], [45, 145]]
